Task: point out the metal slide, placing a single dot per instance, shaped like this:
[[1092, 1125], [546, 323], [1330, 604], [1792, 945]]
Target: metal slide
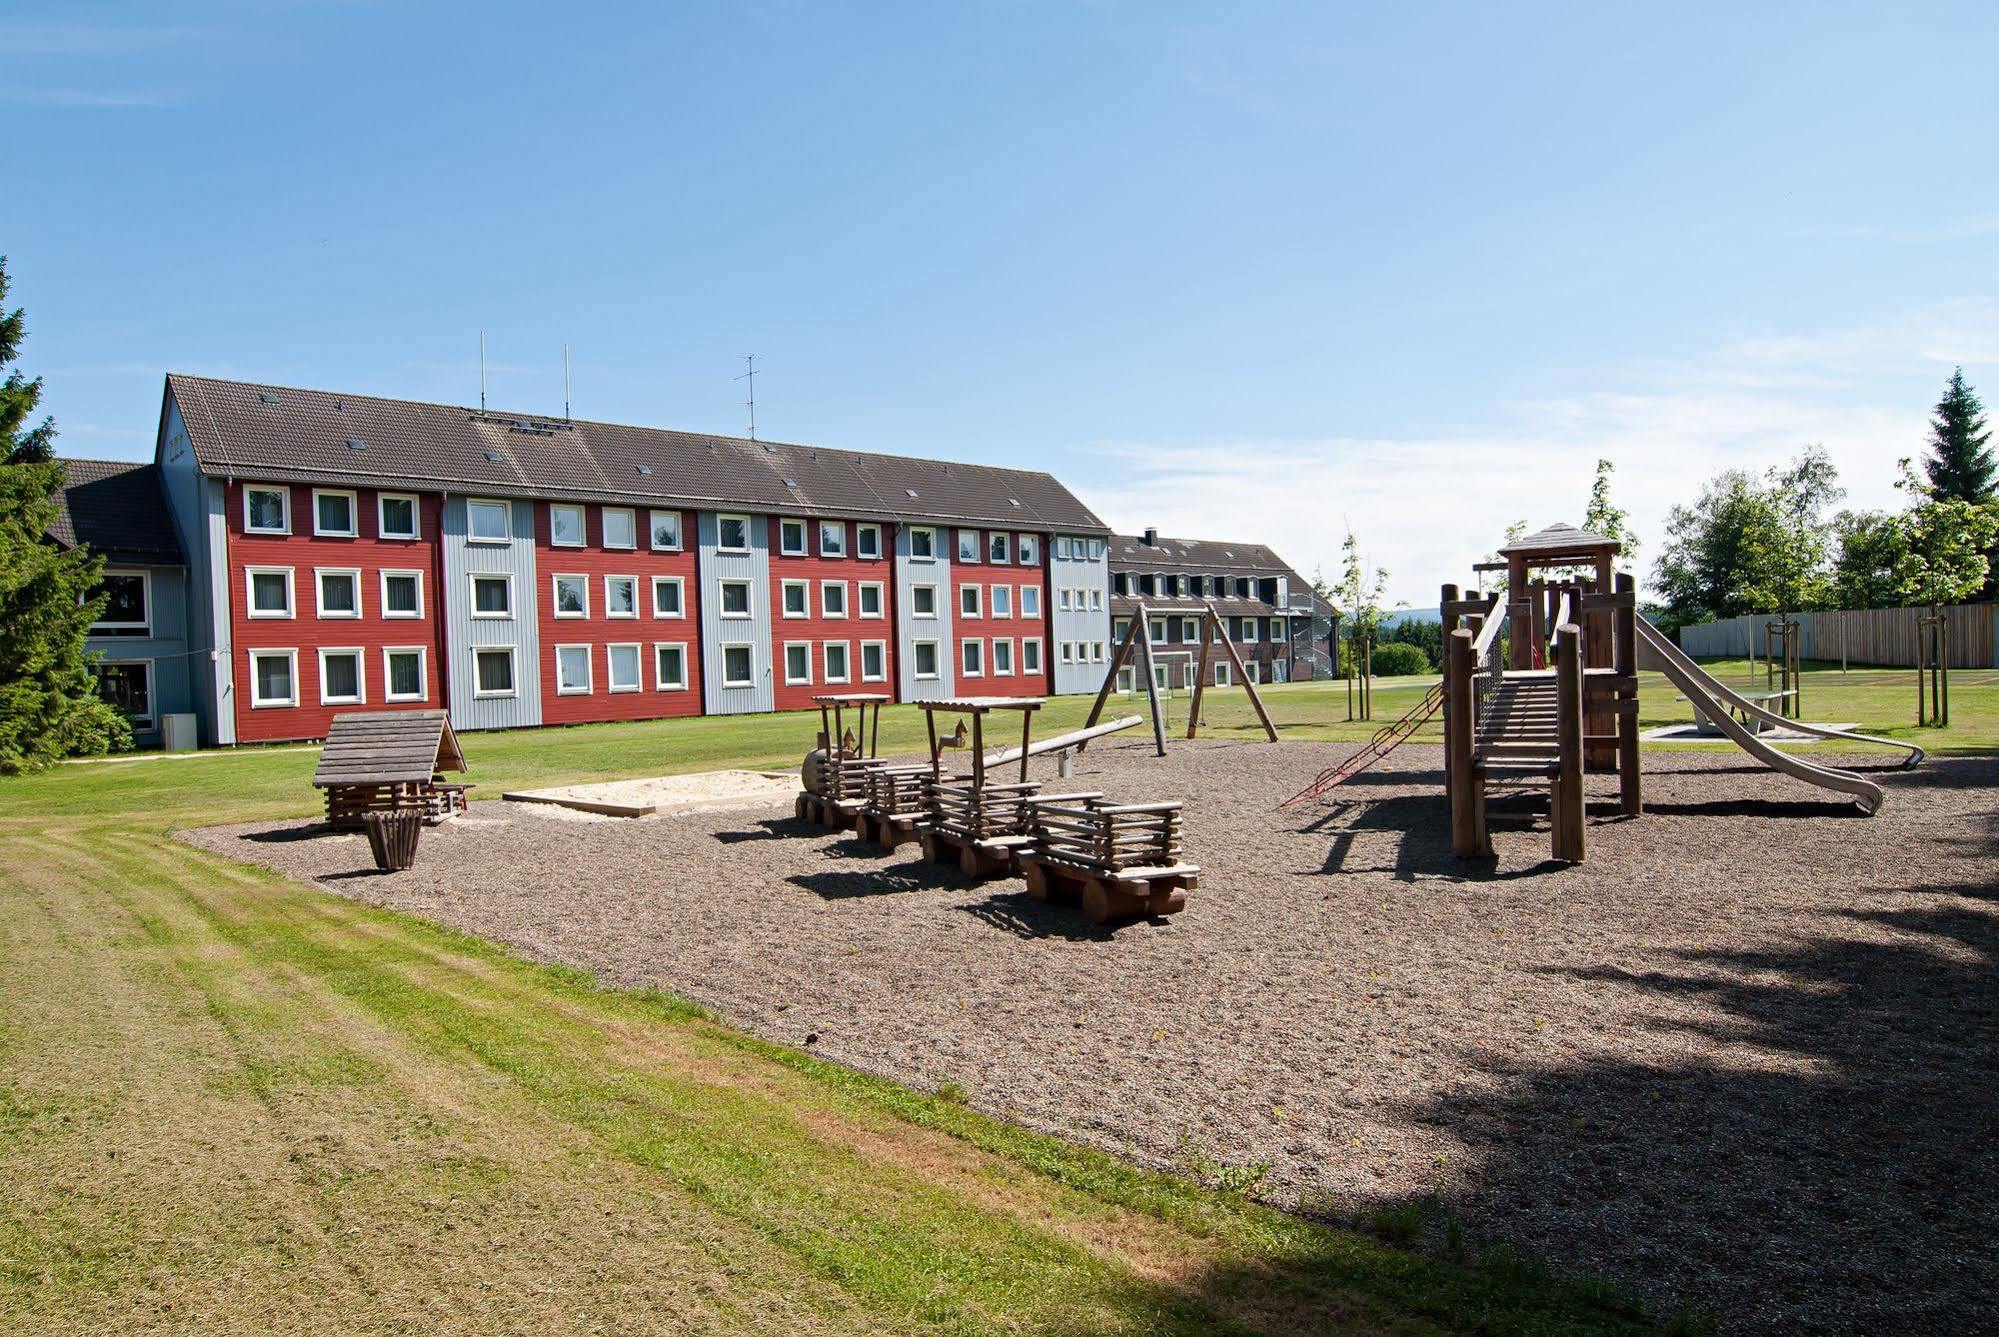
[[1714, 699]]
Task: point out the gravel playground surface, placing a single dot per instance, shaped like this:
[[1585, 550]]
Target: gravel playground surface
[[1742, 1060]]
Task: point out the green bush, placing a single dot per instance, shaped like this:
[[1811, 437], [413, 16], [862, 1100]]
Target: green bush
[[1399, 658]]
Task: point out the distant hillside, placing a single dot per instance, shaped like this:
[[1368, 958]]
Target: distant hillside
[[1401, 615]]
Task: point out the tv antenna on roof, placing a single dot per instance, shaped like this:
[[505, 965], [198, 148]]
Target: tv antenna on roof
[[565, 382], [751, 402], [482, 371]]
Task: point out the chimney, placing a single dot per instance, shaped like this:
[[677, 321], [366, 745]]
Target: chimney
[[1151, 538]]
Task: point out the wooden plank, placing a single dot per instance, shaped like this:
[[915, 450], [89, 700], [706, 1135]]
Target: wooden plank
[[1144, 618]]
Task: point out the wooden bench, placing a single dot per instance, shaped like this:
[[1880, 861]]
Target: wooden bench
[[1118, 860], [897, 809], [983, 826]]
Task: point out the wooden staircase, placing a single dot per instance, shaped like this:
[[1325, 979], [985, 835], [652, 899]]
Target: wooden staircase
[[1518, 737]]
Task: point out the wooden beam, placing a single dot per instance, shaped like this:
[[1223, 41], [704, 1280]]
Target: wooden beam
[[1469, 839], [1151, 687], [1117, 663], [1624, 615], [1249, 684], [1210, 629], [1566, 803]]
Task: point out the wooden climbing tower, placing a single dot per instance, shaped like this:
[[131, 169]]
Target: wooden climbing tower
[[1564, 701]]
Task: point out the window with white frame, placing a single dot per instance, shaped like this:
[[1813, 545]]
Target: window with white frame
[[402, 594], [1119, 626], [923, 544], [339, 593], [1061, 547], [267, 510], [621, 596], [838, 665], [1097, 651], [968, 600], [1030, 550], [1276, 628], [1096, 550], [968, 545], [797, 662], [493, 671], [669, 667], [923, 659], [737, 668], [666, 531], [270, 589], [572, 670], [791, 538], [868, 540], [832, 598], [874, 661], [402, 673], [1030, 601], [1030, 655], [565, 526], [669, 596], [340, 681], [997, 548], [621, 527], [396, 516], [1221, 673], [732, 533], [492, 596], [622, 668], [796, 598], [127, 684], [273, 678], [1062, 599], [923, 601], [128, 602], [1096, 600], [1002, 600], [832, 538], [1190, 629], [735, 598], [1002, 658], [871, 598], [1155, 631], [1250, 626], [1066, 652], [572, 595], [972, 657], [489, 521]]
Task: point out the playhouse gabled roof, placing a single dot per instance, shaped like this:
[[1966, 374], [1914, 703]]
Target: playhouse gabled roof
[[1559, 540]]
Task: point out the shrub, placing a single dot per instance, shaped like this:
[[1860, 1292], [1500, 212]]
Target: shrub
[[1398, 658]]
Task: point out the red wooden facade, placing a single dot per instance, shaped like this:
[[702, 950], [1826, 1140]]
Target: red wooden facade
[[817, 603]]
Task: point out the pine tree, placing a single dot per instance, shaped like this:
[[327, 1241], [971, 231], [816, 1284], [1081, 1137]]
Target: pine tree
[[49, 706], [1960, 466]]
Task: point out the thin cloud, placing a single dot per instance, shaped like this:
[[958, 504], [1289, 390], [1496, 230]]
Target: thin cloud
[[78, 39], [86, 99]]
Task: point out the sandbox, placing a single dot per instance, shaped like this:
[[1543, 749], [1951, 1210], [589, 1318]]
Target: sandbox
[[704, 791]]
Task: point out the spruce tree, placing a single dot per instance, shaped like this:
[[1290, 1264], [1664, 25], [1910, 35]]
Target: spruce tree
[[49, 706], [1960, 466]]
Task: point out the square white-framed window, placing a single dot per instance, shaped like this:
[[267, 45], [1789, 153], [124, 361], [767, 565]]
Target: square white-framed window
[[1002, 658], [1096, 550], [972, 657], [733, 598], [571, 595], [128, 604], [923, 601], [1277, 629], [874, 661], [621, 527], [1000, 600], [269, 590], [488, 521], [1030, 655], [128, 685], [1068, 652], [832, 538], [839, 661], [998, 547], [1222, 673], [797, 663], [1029, 549], [738, 667], [403, 675], [669, 666], [732, 533], [273, 678], [1096, 600], [968, 546], [669, 596], [867, 541], [340, 677], [923, 659], [665, 532], [1097, 652], [397, 516], [832, 598], [1030, 601], [1250, 630], [923, 544], [621, 596], [1155, 631], [1119, 626], [1180, 586], [492, 596], [402, 594], [1062, 547], [870, 593], [493, 671], [795, 598], [791, 538], [1190, 630], [1254, 671], [969, 601], [566, 526], [572, 670], [1062, 599], [267, 510], [624, 667]]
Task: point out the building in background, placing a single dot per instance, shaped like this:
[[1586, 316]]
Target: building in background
[[1279, 625]]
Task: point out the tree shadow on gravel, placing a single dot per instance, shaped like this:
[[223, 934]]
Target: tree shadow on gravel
[[1822, 1158]]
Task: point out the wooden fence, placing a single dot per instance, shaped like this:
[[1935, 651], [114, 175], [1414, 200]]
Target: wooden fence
[[1884, 636]]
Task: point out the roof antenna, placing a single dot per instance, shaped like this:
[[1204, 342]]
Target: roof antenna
[[482, 373], [565, 382], [751, 402]]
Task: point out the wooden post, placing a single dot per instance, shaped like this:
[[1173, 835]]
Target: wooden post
[[1469, 838], [1117, 663], [1519, 613], [1210, 628], [1449, 621], [1151, 687], [1026, 732], [1249, 684], [930, 723], [1566, 803], [978, 749], [1630, 780]]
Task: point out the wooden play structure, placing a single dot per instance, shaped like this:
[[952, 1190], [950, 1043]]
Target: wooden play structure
[[836, 772], [1137, 636], [1115, 860], [389, 761], [979, 822]]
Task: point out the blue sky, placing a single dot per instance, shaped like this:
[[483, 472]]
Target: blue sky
[[1255, 272]]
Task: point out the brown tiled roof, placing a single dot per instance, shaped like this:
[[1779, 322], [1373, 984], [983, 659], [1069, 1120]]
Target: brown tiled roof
[[1558, 538], [285, 434], [116, 509], [1128, 552], [1175, 605]]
